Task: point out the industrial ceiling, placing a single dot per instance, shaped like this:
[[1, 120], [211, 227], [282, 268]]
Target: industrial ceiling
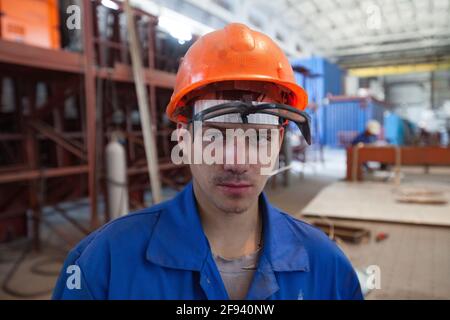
[[353, 33]]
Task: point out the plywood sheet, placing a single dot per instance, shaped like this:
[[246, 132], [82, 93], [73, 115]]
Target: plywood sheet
[[379, 201]]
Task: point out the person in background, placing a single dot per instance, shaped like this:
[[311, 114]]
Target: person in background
[[370, 134]]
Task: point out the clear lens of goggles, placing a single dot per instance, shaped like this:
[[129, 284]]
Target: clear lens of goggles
[[245, 112]]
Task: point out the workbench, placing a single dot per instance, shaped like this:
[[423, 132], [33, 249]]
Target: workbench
[[393, 155]]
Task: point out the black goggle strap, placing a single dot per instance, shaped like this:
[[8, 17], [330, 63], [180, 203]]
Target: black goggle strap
[[300, 118]]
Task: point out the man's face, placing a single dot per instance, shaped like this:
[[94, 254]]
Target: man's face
[[234, 185]]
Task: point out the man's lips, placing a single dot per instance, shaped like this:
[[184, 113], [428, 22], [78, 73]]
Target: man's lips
[[235, 185], [235, 188]]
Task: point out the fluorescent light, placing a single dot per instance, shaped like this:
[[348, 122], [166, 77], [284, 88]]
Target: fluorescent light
[[110, 4], [155, 8], [176, 29]]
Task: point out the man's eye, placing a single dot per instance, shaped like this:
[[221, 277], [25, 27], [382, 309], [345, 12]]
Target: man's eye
[[264, 138], [259, 139], [213, 135]]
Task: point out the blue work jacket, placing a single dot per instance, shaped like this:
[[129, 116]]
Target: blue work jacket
[[161, 252]]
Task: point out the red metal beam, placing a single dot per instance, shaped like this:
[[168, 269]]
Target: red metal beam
[[42, 173], [123, 73], [162, 167], [91, 114], [73, 147], [407, 156], [58, 60], [22, 54]]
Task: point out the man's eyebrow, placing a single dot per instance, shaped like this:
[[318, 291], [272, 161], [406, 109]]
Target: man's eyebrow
[[256, 127], [212, 126]]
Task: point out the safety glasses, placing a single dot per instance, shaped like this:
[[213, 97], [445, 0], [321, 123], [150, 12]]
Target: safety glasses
[[245, 109]]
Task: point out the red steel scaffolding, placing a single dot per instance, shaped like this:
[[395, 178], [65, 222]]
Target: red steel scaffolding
[[52, 149]]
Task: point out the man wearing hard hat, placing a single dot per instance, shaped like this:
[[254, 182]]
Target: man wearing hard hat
[[219, 238], [370, 134]]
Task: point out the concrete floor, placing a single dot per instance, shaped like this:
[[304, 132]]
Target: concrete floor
[[414, 260]]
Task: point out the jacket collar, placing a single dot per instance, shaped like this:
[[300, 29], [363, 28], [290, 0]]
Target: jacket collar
[[178, 240]]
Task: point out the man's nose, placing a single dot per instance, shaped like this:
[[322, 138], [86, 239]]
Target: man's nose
[[237, 169], [236, 158]]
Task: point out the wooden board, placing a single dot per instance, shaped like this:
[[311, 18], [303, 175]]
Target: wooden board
[[379, 202]]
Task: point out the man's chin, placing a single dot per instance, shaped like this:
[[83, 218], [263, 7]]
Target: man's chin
[[234, 206]]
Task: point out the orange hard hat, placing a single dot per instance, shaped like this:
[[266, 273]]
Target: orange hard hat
[[232, 54]]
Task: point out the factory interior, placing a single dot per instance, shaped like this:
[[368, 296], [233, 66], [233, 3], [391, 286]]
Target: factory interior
[[77, 77]]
